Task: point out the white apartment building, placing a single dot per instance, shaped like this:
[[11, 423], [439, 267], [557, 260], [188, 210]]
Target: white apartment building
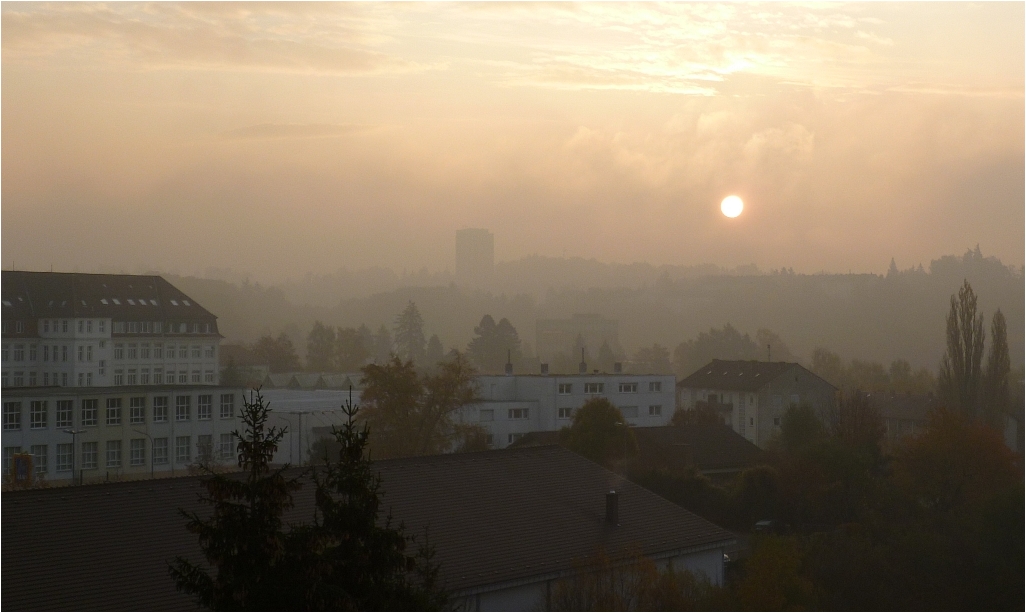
[[513, 405], [110, 433], [82, 330]]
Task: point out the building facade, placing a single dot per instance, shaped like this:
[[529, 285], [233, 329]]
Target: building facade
[[83, 330], [110, 433], [753, 396], [513, 405]]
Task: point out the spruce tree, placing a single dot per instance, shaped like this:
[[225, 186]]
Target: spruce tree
[[243, 540]]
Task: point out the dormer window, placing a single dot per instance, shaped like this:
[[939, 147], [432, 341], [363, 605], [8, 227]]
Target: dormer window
[[186, 303], [103, 301], [116, 301], [174, 303], [153, 302], [131, 302]]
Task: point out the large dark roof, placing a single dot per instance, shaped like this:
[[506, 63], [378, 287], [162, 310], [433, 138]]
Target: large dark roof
[[33, 295], [707, 448], [740, 375], [497, 516]]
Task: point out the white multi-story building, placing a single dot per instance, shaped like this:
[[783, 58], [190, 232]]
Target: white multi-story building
[[513, 405], [82, 330], [109, 433]]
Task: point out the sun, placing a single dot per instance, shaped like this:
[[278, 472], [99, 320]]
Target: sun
[[732, 206]]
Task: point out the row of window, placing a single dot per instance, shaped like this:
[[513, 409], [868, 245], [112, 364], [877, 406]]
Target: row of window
[[142, 376], [89, 458], [565, 389], [142, 351], [85, 326], [89, 411], [48, 353], [157, 327]]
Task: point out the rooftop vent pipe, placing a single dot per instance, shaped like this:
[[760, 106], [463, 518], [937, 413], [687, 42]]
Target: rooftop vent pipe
[[613, 508]]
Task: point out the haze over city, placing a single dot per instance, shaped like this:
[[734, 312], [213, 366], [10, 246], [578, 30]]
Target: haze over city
[[278, 140]]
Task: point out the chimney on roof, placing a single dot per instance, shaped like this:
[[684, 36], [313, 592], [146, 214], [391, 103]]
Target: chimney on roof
[[583, 365], [509, 363], [545, 368], [617, 367], [613, 508]]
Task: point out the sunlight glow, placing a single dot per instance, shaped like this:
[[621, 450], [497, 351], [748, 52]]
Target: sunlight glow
[[732, 206]]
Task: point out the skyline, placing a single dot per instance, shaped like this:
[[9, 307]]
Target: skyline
[[278, 140]]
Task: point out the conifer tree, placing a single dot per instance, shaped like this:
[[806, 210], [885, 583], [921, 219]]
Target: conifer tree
[[243, 540]]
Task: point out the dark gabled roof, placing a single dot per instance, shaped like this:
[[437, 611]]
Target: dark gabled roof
[[33, 295], [707, 448], [739, 375], [495, 517]]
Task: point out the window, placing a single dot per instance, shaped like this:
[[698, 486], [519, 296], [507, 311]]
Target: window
[[19, 353], [37, 414], [137, 410], [46, 325], [5, 355], [196, 352], [518, 414], [751, 421], [204, 447], [19, 378], [629, 411], [487, 415], [655, 410], [227, 406], [204, 406], [655, 386], [170, 377], [119, 377], [3, 379], [103, 366], [594, 388], [32, 353], [160, 451], [144, 351], [65, 451], [64, 414], [101, 325], [170, 352], [89, 326], [628, 388], [133, 351], [566, 412], [183, 352], [156, 327], [208, 376], [159, 409], [132, 377], [144, 376], [225, 448], [64, 353], [566, 388], [12, 416], [89, 353], [19, 327], [81, 379], [183, 376], [195, 376], [113, 411], [137, 451], [81, 353], [81, 324], [32, 378], [64, 325], [182, 408], [90, 455], [182, 451], [158, 351], [516, 436], [90, 411], [113, 454], [119, 351], [158, 376], [208, 352], [64, 379], [9, 458], [39, 458], [46, 353]]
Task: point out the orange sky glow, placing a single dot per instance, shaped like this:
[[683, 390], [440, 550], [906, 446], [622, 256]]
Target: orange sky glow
[[280, 139]]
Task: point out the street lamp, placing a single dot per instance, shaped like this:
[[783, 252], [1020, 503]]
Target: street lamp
[[74, 433]]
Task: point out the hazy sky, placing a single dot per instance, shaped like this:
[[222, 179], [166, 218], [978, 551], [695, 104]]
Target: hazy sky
[[280, 139]]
